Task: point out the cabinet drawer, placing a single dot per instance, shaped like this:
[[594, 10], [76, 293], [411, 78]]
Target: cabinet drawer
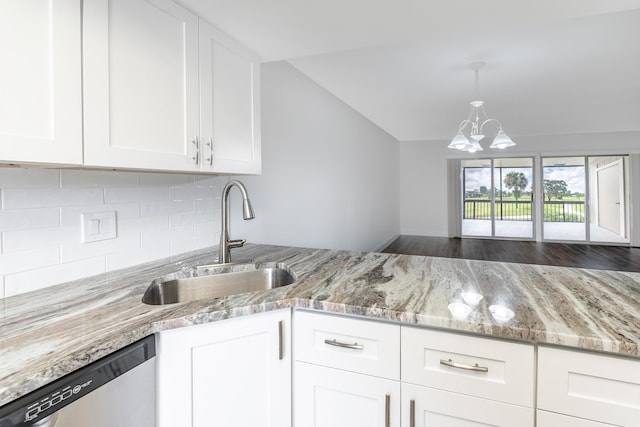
[[367, 347], [437, 408], [596, 387], [550, 419], [495, 369]]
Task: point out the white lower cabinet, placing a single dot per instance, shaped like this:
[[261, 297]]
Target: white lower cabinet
[[550, 419], [454, 380], [234, 372], [327, 397], [429, 407], [351, 372], [597, 387], [347, 373]]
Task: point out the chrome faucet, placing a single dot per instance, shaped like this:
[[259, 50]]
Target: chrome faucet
[[247, 212]]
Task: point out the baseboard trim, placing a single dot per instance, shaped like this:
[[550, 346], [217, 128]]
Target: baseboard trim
[[384, 246]]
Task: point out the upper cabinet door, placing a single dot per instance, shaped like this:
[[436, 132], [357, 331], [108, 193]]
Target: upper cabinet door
[[140, 85], [40, 86], [230, 104]]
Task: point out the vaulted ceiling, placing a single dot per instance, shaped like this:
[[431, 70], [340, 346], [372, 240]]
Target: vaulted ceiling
[[553, 66]]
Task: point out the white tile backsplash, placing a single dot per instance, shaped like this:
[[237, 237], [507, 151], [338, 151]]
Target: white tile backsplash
[[28, 178], [20, 198], [32, 280], [25, 219], [158, 215]]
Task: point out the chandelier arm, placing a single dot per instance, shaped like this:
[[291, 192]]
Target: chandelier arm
[[494, 122], [464, 124]]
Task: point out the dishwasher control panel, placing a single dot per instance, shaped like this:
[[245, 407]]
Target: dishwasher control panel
[[66, 395]]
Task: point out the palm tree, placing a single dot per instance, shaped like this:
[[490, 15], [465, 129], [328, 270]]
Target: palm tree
[[516, 182]]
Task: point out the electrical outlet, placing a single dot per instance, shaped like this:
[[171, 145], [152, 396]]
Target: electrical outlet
[[98, 226]]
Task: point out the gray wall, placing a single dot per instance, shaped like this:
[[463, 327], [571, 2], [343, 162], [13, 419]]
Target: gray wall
[[329, 176]]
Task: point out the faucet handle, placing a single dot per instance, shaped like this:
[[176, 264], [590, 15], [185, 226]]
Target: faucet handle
[[236, 243]]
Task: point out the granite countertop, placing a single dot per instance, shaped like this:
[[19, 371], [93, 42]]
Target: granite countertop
[[51, 332]]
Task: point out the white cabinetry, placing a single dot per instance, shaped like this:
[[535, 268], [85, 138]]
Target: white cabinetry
[[550, 419], [346, 372], [604, 389], [327, 397], [229, 104], [234, 372], [140, 84], [165, 91], [430, 407], [456, 380], [40, 82]]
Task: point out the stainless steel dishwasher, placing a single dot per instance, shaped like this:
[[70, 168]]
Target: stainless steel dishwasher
[[117, 390]]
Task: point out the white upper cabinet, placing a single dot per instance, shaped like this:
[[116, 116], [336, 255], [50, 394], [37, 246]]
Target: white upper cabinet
[[40, 82], [164, 90], [140, 85], [229, 104]]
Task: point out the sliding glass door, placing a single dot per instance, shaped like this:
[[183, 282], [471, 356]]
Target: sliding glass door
[[564, 185], [573, 199], [586, 199], [497, 198]]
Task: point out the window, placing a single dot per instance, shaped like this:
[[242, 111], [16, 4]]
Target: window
[[497, 200]]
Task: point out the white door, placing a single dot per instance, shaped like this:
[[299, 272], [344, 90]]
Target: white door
[[234, 372], [230, 104], [140, 85], [327, 397], [610, 195], [40, 82], [429, 407]]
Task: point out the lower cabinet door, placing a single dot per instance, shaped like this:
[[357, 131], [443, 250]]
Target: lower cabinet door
[[327, 397], [428, 407], [550, 419], [235, 372]]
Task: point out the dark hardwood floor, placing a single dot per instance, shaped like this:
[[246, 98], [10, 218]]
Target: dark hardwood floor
[[561, 254]]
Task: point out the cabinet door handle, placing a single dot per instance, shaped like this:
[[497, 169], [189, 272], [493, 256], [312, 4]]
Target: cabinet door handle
[[210, 158], [387, 411], [476, 368], [335, 343], [412, 413], [280, 340], [195, 142]]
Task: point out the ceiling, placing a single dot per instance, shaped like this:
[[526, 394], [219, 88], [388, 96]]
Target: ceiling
[[553, 66]]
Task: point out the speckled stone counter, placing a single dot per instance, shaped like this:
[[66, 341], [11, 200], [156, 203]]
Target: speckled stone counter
[[49, 333]]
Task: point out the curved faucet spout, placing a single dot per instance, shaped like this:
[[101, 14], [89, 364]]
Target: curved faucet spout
[[247, 212]]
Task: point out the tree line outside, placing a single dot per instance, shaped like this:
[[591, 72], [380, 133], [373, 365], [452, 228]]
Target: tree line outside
[[516, 183]]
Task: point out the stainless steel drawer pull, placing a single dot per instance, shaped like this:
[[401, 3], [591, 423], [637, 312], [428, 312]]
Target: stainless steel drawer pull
[[354, 346], [476, 368], [387, 411], [412, 413], [280, 340]]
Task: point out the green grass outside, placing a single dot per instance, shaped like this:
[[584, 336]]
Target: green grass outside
[[521, 211]]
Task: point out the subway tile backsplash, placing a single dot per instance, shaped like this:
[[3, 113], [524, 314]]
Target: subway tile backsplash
[[158, 215]]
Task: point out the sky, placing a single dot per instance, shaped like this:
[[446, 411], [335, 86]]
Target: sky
[[477, 177], [573, 176]]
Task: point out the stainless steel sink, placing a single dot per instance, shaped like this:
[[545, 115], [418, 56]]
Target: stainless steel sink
[[218, 282]]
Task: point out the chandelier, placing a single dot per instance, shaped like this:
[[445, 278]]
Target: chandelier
[[475, 125]]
